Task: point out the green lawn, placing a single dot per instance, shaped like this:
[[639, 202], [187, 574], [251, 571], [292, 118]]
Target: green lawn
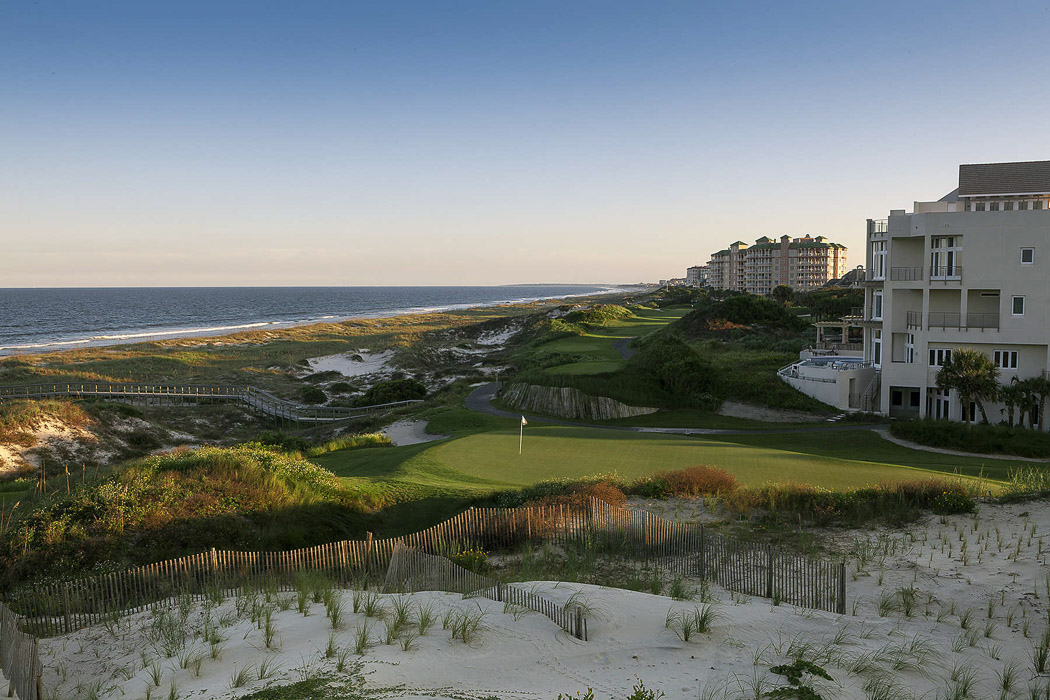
[[867, 446], [484, 462]]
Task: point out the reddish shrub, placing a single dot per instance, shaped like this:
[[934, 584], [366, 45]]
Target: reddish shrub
[[701, 480], [603, 491]]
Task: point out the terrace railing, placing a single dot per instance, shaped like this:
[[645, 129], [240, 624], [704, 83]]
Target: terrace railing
[[256, 399], [964, 322]]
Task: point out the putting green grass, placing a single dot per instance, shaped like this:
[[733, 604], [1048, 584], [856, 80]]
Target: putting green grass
[[489, 461]]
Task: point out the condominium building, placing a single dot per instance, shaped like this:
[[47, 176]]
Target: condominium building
[[696, 276], [801, 263], [967, 271]]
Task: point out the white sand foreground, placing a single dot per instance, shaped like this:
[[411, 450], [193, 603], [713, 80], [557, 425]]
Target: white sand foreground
[[951, 607]]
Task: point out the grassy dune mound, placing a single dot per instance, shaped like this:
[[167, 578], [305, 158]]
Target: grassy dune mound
[[247, 497]]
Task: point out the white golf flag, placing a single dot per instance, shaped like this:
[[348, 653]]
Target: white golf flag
[[523, 421]]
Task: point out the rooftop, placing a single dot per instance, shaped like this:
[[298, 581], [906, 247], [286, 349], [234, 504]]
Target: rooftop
[[990, 179]]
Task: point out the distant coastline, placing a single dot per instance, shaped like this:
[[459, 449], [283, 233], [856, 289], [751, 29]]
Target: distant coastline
[[34, 321]]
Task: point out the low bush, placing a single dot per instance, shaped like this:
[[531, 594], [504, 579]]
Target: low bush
[[392, 390], [690, 482], [891, 501], [475, 560], [312, 395], [288, 443], [985, 439]]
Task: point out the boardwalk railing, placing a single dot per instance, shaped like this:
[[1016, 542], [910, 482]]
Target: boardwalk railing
[[19, 657], [256, 399]]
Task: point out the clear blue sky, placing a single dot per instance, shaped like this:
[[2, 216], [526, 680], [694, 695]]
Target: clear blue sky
[[270, 143]]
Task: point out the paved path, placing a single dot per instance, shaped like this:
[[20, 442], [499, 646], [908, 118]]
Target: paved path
[[620, 346], [884, 433]]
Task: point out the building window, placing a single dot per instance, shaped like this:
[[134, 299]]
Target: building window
[[876, 306], [909, 348], [1027, 256], [944, 257], [1005, 359], [993, 206], [878, 260], [876, 348], [1008, 206], [938, 402], [979, 206], [1017, 306], [939, 356]]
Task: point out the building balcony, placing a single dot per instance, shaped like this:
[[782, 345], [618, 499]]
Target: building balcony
[[914, 320], [949, 273], [963, 322], [878, 227]]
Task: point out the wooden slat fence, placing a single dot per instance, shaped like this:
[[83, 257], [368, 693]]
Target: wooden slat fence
[[679, 548], [19, 657], [412, 570]]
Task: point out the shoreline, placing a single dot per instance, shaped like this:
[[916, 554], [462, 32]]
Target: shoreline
[[161, 335]]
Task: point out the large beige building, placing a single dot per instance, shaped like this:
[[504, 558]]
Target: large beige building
[[969, 270], [800, 263]]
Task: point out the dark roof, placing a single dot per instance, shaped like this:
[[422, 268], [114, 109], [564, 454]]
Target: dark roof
[[1031, 177]]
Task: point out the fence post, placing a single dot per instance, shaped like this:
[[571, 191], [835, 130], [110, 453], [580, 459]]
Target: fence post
[[769, 572], [703, 553], [368, 556], [579, 624], [840, 606], [499, 591], [65, 606]]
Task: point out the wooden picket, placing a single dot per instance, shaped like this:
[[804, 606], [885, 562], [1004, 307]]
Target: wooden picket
[[19, 657], [685, 549]]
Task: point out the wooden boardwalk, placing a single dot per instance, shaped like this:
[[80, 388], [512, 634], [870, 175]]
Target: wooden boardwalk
[[170, 394]]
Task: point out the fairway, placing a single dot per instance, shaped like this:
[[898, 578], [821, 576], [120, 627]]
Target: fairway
[[596, 346], [562, 451]]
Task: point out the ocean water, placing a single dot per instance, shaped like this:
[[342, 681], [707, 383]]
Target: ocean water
[[39, 320]]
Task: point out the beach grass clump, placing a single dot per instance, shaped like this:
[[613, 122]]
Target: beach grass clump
[[687, 623]]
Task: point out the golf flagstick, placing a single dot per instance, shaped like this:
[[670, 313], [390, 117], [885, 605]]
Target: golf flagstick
[[521, 432]]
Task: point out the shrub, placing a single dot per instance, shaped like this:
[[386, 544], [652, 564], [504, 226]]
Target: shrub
[[475, 560], [952, 503], [275, 438], [391, 391], [986, 439], [313, 395], [701, 480]]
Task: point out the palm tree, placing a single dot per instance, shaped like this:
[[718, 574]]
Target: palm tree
[[1012, 395], [1041, 390], [974, 376]]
